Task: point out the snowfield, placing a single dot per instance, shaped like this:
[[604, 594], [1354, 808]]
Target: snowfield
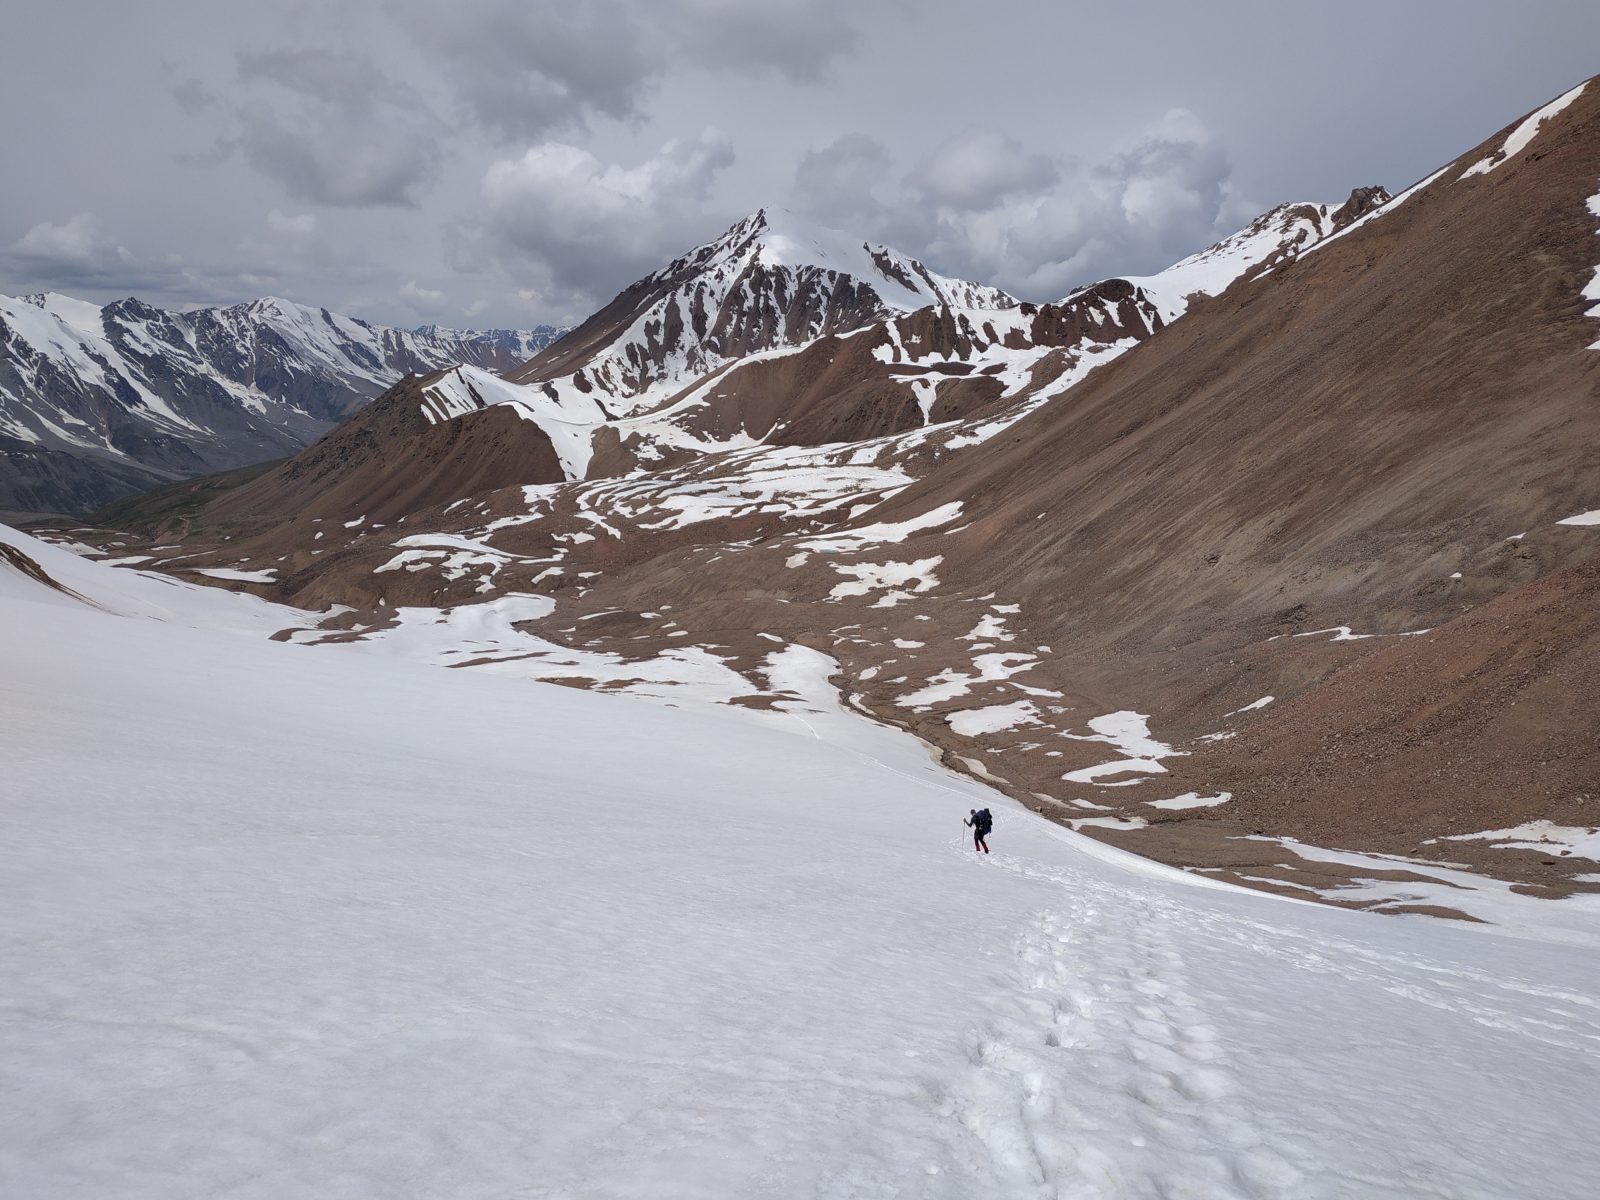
[[280, 921]]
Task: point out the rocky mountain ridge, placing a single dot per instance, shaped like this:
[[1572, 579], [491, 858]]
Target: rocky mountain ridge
[[821, 355]]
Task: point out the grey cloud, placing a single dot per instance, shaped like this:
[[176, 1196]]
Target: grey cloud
[[379, 120], [339, 164], [332, 128], [524, 71], [424, 301], [981, 168], [194, 97], [841, 180], [76, 241], [985, 207], [76, 254], [797, 38], [347, 81]]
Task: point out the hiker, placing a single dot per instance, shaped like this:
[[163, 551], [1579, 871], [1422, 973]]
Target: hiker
[[981, 823]]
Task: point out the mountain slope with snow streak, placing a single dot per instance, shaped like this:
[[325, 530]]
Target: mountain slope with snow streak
[[777, 334], [370, 927], [693, 355], [1272, 239], [769, 282], [99, 401]]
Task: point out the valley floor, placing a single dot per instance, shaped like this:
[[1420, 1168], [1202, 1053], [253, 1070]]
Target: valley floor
[[285, 920]]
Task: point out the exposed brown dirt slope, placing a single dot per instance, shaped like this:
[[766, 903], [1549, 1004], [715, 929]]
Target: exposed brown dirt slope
[[388, 461], [1327, 447], [1434, 732]]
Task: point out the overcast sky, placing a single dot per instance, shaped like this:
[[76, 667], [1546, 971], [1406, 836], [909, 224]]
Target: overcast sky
[[509, 162]]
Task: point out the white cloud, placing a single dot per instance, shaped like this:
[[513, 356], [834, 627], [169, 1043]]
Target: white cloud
[[584, 225], [77, 241], [420, 298], [983, 167]]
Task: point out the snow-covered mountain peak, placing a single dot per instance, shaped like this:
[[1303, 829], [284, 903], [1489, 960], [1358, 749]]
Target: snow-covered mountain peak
[[771, 283], [779, 238]]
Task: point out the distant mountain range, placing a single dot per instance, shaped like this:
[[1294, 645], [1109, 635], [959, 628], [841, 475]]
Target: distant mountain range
[[97, 402]]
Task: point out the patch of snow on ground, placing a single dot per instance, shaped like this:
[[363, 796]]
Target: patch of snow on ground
[[1129, 732], [1569, 922], [890, 578], [1343, 633], [131, 592], [1592, 517], [1192, 800], [1086, 360], [951, 683], [843, 540], [265, 575], [1539, 835], [1121, 766], [485, 637], [1524, 133], [1123, 823], [1591, 290], [991, 628], [975, 722], [1252, 706]]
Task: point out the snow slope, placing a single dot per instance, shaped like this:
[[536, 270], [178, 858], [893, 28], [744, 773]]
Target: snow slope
[[126, 592], [368, 928]]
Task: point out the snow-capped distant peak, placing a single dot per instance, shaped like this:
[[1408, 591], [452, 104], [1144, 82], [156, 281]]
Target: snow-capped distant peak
[[779, 238], [772, 282], [218, 386]]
